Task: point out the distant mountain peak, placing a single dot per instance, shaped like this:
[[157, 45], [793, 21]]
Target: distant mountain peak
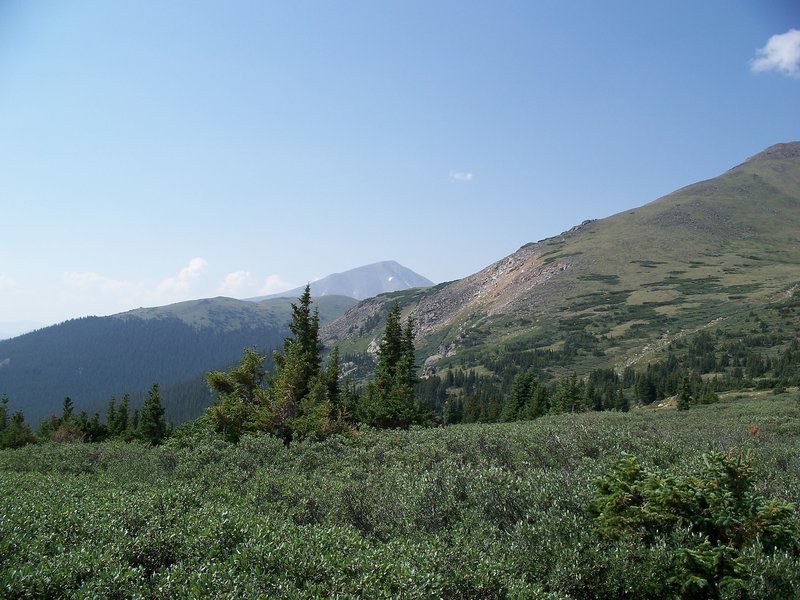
[[362, 282], [785, 151]]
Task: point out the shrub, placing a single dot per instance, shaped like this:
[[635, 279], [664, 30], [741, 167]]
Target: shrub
[[707, 518]]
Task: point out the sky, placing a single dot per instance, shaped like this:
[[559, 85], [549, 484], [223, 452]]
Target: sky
[[165, 150]]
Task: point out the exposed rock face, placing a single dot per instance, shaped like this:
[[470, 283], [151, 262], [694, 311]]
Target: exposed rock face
[[507, 285], [495, 290]]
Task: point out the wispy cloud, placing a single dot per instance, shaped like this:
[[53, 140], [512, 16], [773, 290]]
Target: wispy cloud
[[781, 54], [93, 293], [94, 282], [462, 176], [275, 284], [84, 293], [182, 282], [7, 283], [235, 283]]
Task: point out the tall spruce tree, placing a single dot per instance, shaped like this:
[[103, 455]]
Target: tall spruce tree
[[296, 401], [299, 362], [685, 395], [570, 395], [120, 424], [520, 396], [306, 397], [152, 426], [389, 400]]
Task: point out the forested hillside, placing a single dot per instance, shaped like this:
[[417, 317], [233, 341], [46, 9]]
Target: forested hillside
[[94, 358]]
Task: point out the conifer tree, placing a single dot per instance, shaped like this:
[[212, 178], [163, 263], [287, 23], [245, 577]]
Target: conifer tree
[[332, 377], [152, 427], [389, 400], [95, 430], [407, 368], [66, 409], [570, 395], [621, 401], [685, 395], [120, 424], [16, 432], [304, 347], [3, 412], [390, 350], [313, 418], [520, 396], [707, 395], [67, 427], [296, 401], [111, 415], [539, 402], [243, 403], [453, 411], [298, 366]]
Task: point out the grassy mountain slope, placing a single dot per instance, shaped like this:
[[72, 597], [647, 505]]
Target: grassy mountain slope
[[93, 358], [616, 287]]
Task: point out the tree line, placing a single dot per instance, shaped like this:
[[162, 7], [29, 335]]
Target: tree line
[[304, 399], [147, 425], [295, 394]]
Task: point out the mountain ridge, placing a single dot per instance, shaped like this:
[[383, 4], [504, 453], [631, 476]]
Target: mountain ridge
[[92, 359], [674, 262]]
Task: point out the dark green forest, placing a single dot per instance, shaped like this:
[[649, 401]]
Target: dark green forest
[[119, 360], [93, 358]]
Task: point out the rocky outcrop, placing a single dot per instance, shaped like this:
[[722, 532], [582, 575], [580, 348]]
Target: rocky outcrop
[[507, 285]]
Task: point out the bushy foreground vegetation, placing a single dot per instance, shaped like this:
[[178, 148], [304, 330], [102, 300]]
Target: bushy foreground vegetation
[[650, 503]]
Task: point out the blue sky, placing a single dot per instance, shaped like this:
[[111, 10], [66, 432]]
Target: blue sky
[[159, 151]]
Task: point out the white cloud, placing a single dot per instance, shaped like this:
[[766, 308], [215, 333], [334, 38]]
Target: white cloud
[[182, 282], [274, 284], [97, 283], [7, 283], [234, 283], [460, 176], [781, 54], [86, 293]]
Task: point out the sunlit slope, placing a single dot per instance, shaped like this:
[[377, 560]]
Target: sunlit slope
[[701, 254]]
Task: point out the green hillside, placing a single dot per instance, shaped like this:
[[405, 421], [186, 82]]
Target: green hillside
[[616, 291]]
